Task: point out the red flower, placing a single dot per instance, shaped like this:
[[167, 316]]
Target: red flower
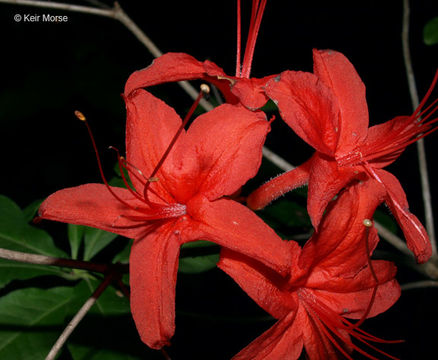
[[330, 279], [329, 111], [183, 201], [240, 88]]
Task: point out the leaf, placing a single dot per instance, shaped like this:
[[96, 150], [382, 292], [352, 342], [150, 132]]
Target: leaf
[[288, 213], [31, 321], [31, 210], [200, 263], [110, 303], [75, 235], [17, 234], [430, 32], [13, 270], [87, 352], [95, 240]]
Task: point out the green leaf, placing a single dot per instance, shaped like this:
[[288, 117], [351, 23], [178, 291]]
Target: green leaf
[[430, 32], [75, 235], [386, 220], [198, 264], [17, 234], [31, 321], [95, 240], [31, 210], [13, 270], [87, 352], [110, 303], [288, 213]]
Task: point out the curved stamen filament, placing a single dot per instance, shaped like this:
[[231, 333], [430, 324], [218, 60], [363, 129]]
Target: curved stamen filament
[[239, 39], [81, 117]]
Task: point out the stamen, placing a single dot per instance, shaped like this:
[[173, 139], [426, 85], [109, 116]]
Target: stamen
[[81, 117], [205, 89], [257, 11], [239, 39]]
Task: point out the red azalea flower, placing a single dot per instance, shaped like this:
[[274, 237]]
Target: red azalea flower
[[328, 110], [240, 88], [179, 200], [332, 278]]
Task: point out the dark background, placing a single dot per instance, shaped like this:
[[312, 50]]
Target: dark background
[[49, 70]]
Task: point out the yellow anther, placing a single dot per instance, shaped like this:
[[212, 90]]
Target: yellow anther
[[205, 88], [80, 116]]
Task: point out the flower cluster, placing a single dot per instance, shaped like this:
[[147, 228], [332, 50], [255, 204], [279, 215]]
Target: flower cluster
[[182, 183]]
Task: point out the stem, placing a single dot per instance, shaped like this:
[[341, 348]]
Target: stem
[[80, 315], [419, 284], [53, 261], [422, 162]]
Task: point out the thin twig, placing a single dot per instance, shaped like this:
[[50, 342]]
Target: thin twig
[[80, 315], [419, 285], [422, 162], [54, 261], [117, 13]]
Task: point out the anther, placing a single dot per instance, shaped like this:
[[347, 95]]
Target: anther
[[80, 116], [205, 88], [368, 223]]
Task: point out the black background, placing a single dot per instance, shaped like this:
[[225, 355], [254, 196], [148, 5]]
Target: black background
[[49, 70]]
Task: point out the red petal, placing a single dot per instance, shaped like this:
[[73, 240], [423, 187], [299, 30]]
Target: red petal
[[339, 247], [416, 236], [282, 341], [235, 227], [225, 147], [93, 205], [336, 72], [173, 67], [259, 282], [153, 268], [325, 181], [150, 127], [279, 186], [251, 91], [167, 68], [308, 107]]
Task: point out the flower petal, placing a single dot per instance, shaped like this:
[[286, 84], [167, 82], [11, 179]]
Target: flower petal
[[235, 227], [353, 299], [153, 267], [150, 128], [173, 67], [93, 205], [339, 247], [260, 282], [416, 236], [325, 181], [225, 146], [282, 341], [308, 107], [337, 72], [251, 91], [279, 186]]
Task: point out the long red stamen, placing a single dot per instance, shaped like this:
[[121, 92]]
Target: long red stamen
[[204, 90], [239, 39], [81, 117], [258, 8]]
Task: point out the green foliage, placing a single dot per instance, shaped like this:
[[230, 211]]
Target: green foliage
[[198, 263], [31, 320], [17, 234], [430, 32]]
